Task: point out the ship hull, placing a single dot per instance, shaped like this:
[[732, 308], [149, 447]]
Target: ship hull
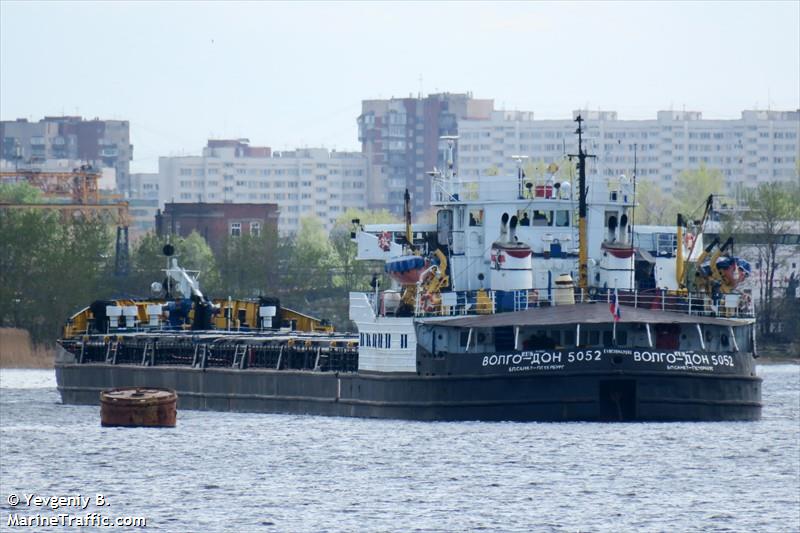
[[584, 395]]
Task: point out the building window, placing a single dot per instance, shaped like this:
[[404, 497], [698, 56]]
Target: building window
[[236, 229], [255, 229]]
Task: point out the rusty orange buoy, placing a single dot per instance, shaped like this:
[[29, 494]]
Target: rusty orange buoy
[[138, 406]]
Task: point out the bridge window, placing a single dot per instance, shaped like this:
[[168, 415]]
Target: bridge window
[[476, 217], [542, 218]]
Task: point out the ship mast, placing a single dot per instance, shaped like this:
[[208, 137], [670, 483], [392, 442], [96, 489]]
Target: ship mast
[[583, 255], [407, 209]]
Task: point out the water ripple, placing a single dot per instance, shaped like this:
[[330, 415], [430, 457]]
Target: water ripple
[[246, 472]]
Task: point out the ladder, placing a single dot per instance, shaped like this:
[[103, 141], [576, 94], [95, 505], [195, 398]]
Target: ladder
[[148, 355], [200, 353], [239, 356], [111, 352], [321, 358]]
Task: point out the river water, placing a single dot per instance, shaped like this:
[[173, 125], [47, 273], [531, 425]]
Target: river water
[[253, 472]]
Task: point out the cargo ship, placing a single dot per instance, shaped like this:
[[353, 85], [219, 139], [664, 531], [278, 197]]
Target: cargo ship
[[529, 299]]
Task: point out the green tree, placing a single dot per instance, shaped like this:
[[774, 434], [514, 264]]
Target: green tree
[[19, 193], [148, 262], [653, 205], [311, 261], [249, 265], [693, 187], [51, 267], [690, 191], [351, 273]]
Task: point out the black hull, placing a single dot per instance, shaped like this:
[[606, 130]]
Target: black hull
[[590, 395]]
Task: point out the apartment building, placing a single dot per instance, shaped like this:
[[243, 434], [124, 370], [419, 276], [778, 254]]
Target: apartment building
[[302, 182], [400, 138], [143, 203], [101, 143], [760, 146]]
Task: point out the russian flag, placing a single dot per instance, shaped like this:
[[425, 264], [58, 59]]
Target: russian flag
[[613, 306]]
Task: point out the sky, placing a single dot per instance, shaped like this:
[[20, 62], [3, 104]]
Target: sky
[[290, 75]]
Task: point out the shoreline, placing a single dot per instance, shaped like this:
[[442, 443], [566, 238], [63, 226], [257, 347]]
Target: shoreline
[[767, 360], [18, 351]]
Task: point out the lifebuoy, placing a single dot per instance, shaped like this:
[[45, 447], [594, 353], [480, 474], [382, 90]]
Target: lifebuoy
[[533, 296], [744, 303], [428, 303], [688, 241], [385, 241]]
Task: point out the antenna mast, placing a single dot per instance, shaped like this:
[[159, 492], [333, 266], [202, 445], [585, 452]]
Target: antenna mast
[[583, 255], [407, 209]]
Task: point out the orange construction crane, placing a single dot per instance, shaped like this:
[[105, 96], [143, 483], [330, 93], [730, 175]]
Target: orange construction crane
[[78, 186], [76, 193]]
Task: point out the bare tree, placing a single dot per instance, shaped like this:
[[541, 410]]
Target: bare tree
[[773, 211]]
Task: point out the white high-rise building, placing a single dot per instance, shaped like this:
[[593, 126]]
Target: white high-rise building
[[761, 146], [302, 182], [143, 203]]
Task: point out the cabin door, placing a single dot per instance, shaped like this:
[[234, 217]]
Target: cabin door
[[668, 336]]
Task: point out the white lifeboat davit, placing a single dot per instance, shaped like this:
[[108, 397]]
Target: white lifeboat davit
[[511, 260]]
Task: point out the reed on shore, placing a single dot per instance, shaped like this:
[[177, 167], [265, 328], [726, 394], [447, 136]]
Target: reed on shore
[[17, 350]]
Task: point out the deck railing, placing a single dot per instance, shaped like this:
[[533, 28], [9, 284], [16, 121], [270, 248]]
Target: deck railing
[[461, 303]]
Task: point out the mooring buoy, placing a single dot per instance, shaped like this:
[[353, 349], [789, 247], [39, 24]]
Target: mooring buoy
[[138, 406]]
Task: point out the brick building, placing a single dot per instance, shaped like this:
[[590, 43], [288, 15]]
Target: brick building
[[217, 222]]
